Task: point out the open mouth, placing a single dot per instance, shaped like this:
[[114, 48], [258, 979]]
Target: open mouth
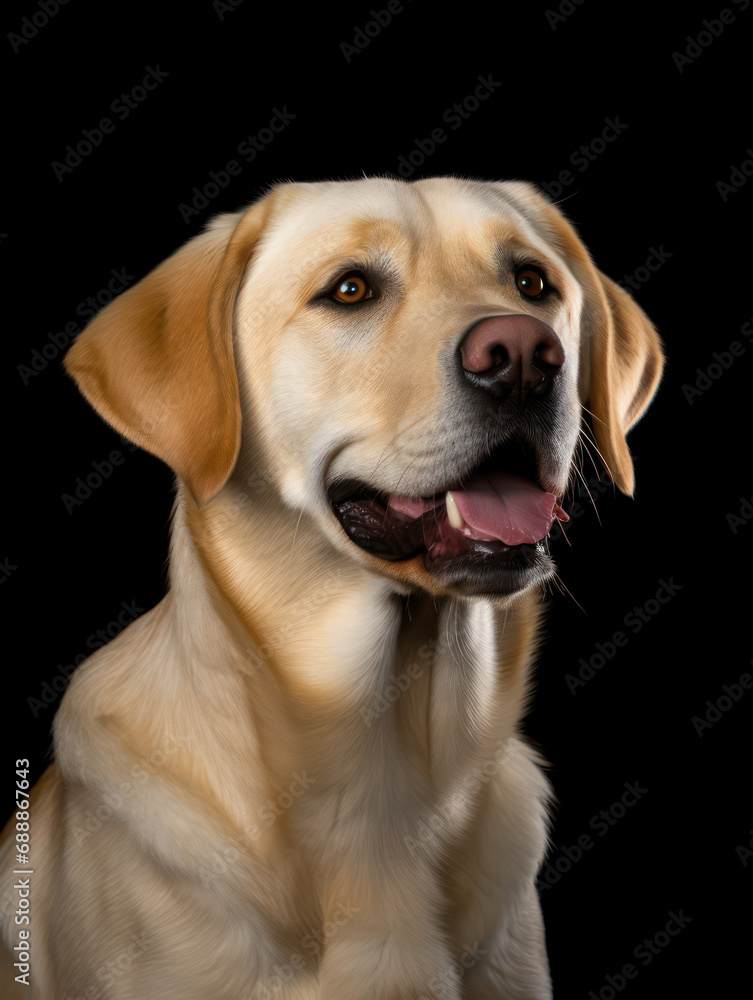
[[496, 516]]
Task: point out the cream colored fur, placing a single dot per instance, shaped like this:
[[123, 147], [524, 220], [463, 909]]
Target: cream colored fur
[[302, 774]]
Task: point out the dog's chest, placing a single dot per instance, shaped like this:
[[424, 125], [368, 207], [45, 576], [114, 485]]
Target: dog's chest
[[402, 776]]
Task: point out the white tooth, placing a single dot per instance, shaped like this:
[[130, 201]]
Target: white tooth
[[453, 514]]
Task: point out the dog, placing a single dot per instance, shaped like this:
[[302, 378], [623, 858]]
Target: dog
[[302, 774]]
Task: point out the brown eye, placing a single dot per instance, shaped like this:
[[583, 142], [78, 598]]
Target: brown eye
[[529, 282], [351, 288]]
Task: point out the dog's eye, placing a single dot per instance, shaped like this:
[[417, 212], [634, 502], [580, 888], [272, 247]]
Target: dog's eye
[[530, 282], [351, 287]]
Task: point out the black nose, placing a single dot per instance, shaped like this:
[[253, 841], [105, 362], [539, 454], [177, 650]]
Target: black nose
[[512, 355]]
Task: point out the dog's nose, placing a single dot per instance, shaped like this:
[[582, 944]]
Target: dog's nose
[[503, 354]]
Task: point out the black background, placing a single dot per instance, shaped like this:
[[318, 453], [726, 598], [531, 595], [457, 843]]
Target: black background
[[67, 574]]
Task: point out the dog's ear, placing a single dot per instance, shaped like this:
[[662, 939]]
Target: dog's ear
[[157, 362], [625, 363]]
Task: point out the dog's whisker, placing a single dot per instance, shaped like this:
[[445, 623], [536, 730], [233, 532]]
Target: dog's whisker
[[558, 581], [584, 442], [564, 535], [594, 445], [592, 414], [585, 486]]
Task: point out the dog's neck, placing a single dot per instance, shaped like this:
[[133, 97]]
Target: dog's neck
[[338, 651]]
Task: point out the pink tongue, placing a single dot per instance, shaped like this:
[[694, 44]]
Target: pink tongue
[[507, 507], [498, 506]]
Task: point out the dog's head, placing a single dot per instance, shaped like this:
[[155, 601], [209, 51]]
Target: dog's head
[[406, 364]]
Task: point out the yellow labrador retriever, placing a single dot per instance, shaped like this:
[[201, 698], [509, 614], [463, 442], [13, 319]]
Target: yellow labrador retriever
[[302, 774]]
